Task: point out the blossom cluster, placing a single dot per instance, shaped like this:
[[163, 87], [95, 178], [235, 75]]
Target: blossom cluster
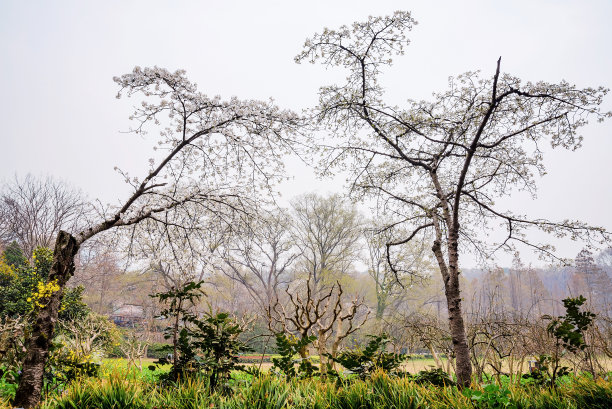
[[43, 293]]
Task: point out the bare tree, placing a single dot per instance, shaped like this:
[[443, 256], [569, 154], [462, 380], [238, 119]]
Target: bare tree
[[260, 258], [85, 336], [438, 166], [592, 281], [327, 315], [213, 157], [99, 272], [134, 346], [327, 232], [33, 210]]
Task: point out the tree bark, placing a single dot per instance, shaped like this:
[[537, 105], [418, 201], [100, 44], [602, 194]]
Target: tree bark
[[37, 344], [322, 350], [450, 276], [455, 314]]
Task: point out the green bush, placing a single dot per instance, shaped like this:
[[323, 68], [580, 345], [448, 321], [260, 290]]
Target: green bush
[[201, 346], [288, 346], [157, 350], [374, 357], [436, 377], [491, 397]]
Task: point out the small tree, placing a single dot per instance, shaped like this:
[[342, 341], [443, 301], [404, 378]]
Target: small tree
[[134, 345], [568, 333], [179, 303], [209, 344], [327, 317], [88, 335]]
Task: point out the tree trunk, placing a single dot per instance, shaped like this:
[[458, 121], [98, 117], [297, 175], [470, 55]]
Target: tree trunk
[[457, 329], [322, 350], [434, 355], [37, 344], [450, 275], [381, 306]]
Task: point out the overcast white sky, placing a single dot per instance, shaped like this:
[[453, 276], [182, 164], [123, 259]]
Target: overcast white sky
[[59, 115]]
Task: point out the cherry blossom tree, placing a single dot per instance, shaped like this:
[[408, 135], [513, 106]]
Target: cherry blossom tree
[[182, 249], [437, 166], [213, 156]]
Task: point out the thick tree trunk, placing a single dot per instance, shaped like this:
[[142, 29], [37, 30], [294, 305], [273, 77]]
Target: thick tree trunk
[[450, 275], [37, 344], [455, 314], [458, 336]]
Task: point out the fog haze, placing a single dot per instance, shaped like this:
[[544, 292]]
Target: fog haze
[[59, 115]]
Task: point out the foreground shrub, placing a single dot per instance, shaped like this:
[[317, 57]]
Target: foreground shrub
[[110, 393], [288, 346], [207, 346], [436, 377], [374, 357], [379, 392]]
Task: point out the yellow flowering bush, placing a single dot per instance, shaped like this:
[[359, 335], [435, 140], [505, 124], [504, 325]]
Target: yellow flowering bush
[[42, 258], [6, 271], [41, 297], [67, 364]]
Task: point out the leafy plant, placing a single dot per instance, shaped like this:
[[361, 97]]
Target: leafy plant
[[491, 397], [569, 329], [435, 377], [568, 333], [9, 378], [209, 345], [373, 357], [288, 347], [217, 337], [177, 311]]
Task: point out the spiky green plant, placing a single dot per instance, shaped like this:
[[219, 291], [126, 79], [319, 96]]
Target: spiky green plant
[[381, 391]]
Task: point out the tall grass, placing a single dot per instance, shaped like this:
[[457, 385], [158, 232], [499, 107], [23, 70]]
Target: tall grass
[[117, 391]]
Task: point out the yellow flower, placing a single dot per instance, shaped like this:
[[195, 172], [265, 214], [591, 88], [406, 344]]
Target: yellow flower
[[44, 292]]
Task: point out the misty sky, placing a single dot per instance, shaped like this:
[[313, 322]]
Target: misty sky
[[59, 115]]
